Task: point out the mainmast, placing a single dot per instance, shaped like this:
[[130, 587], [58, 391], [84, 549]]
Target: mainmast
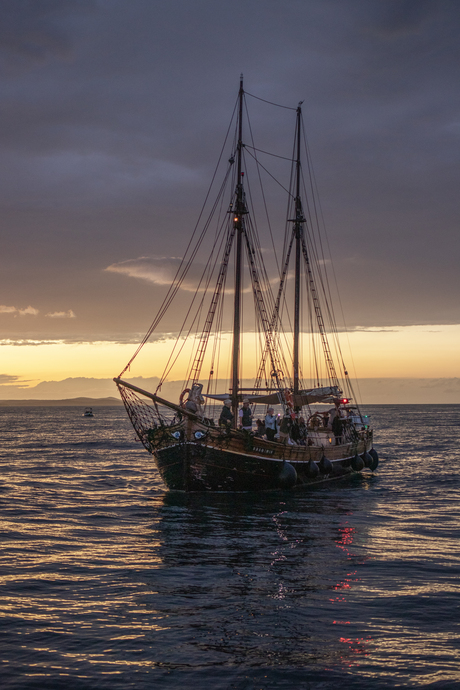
[[301, 248], [298, 233], [238, 220]]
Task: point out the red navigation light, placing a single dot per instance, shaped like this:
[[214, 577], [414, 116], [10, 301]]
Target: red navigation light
[[344, 401]]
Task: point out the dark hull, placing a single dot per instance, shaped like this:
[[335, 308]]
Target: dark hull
[[197, 467], [192, 454]]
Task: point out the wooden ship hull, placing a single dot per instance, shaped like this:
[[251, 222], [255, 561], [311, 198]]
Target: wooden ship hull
[[193, 454], [235, 461]]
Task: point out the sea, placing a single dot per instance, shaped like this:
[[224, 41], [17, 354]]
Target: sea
[[108, 581]]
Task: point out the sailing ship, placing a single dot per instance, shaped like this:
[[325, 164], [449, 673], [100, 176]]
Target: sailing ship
[[314, 430]]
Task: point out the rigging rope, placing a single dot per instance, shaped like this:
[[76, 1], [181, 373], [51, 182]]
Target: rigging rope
[[275, 155], [179, 277], [287, 107], [265, 303], [269, 173]]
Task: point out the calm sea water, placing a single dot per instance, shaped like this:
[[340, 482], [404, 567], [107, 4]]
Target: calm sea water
[[107, 581]]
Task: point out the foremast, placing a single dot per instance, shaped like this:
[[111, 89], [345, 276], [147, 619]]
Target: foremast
[[242, 240], [298, 234]]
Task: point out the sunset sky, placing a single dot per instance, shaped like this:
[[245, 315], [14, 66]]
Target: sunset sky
[[113, 114]]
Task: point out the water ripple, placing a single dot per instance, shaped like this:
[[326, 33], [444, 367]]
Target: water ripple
[[106, 581]]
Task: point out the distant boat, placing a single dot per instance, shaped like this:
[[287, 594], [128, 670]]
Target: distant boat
[[88, 412], [195, 447]]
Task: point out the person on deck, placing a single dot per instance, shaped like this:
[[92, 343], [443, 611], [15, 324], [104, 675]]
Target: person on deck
[[226, 416], [260, 428], [195, 400], [337, 429], [191, 406], [270, 424], [245, 416], [332, 413], [303, 433], [295, 430], [285, 428]]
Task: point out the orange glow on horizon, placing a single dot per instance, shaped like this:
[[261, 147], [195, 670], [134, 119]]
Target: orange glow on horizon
[[414, 351]]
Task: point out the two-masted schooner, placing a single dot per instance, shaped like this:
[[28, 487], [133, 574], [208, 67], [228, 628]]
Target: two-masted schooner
[[311, 430]]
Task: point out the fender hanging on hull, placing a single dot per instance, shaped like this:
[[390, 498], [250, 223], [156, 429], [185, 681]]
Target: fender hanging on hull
[[194, 467]]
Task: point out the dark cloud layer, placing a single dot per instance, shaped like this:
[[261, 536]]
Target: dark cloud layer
[[112, 114]]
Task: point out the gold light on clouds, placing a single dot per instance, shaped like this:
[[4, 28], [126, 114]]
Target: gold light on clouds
[[413, 351]]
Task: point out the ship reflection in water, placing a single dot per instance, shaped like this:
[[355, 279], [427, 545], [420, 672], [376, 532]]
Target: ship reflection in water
[[268, 578]]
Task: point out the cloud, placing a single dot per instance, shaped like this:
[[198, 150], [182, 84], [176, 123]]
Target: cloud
[[18, 342], [112, 121], [95, 339], [163, 270], [159, 270], [10, 379], [403, 17], [36, 33], [27, 311], [61, 314], [374, 329]]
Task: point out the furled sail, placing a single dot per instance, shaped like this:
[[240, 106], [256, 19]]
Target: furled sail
[[325, 394]]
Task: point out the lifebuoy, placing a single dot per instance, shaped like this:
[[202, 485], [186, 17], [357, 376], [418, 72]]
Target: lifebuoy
[[182, 402], [315, 420]]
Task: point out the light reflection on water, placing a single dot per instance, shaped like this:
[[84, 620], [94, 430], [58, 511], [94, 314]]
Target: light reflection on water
[[107, 581]]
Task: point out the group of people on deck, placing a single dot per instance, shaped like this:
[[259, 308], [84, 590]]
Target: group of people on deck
[[289, 429]]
